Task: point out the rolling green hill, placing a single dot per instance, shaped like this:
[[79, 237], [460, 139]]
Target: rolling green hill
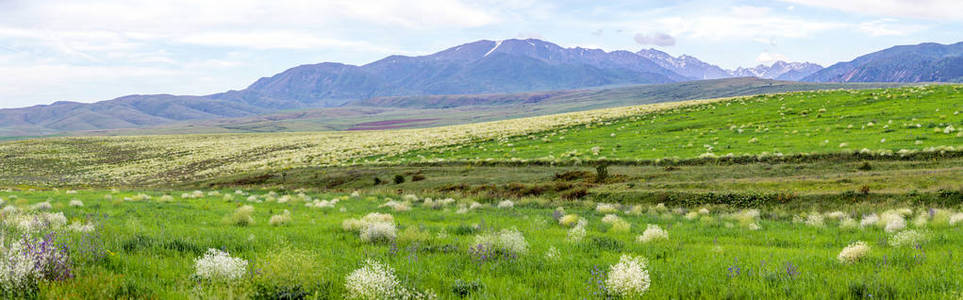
[[883, 121]]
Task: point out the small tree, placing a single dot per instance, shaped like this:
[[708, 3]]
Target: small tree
[[601, 172]]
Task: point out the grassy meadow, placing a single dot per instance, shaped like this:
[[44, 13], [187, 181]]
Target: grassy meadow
[[889, 120], [144, 245], [843, 194]]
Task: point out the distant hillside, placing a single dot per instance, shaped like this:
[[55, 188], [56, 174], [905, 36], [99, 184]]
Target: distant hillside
[[440, 110], [125, 112], [910, 63]]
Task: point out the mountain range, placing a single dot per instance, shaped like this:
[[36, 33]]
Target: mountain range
[[481, 67], [696, 69], [927, 62]]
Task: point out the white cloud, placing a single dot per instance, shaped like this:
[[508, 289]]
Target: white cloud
[[723, 27], [746, 11], [185, 15], [657, 39], [939, 10], [886, 27], [265, 40], [769, 58]]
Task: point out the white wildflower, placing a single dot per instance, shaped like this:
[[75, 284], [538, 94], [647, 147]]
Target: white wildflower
[[42, 206], [282, 219], [76, 203], [81, 227], [892, 221], [552, 253], [869, 220], [378, 232], [375, 280], [606, 208], [653, 233], [510, 240], [907, 238], [396, 205], [848, 223], [217, 265], [577, 233], [814, 220], [506, 204], [956, 218], [629, 277], [853, 253]]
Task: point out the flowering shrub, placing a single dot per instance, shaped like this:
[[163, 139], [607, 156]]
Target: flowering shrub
[[618, 224], [396, 205], [815, 220], [892, 221], [217, 265], [606, 208], [854, 252], [577, 233], [568, 220], [322, 203], [282, 219], [35, 222], [378, 232], [76, 203], [242, 216], [653, 233], [373, 227], [507, 240], [908, 238], [375, 280], [28, 261], [956, 219], [42, 206], [848, 223], [81, 227], [436, 204], [628, 278], [506, 204], [869, 220]]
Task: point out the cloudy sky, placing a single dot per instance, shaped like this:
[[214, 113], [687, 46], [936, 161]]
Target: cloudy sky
[[101, 49]]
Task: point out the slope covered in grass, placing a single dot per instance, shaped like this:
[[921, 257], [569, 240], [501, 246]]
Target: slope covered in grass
[[882, 121], [803, 122]]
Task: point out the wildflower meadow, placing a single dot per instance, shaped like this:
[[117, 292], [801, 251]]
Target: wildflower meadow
[[842, 194]]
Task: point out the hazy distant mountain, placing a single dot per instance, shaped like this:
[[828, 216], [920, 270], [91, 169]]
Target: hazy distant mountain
[[685, 65], [908, 63], [696, 69], [125, 112], [779, 70]]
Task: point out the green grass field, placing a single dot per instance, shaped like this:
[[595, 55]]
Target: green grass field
[[874, 172], [146, 248], [911, 118]]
